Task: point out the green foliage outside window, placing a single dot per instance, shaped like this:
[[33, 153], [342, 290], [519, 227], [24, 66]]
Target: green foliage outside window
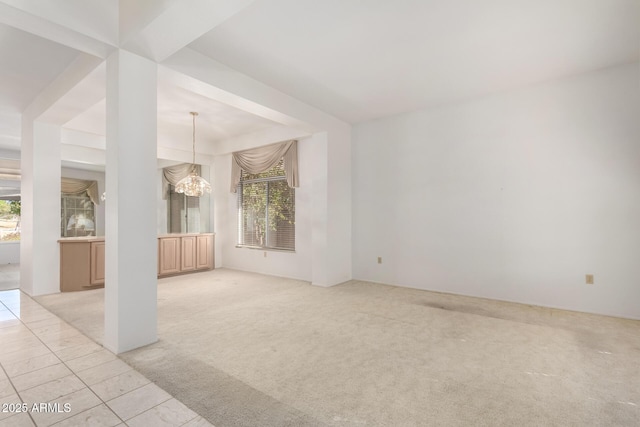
[[267, 206]]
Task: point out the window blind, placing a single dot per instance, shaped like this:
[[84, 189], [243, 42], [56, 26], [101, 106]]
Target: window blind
[[266, 210]]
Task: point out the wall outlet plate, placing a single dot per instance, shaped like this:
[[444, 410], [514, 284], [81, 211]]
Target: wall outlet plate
[[589, 279]]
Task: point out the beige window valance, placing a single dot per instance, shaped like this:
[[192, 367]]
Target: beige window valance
[[173, 174], [72, 187], [257, 160]]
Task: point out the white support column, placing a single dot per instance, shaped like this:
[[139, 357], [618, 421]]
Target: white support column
[[131, 239], [40, 215], [331, 205]]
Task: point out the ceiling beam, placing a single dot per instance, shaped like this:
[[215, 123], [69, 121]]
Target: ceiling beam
[[39, 26], [85, 94], [179, 24], [200, 74], [73, 75]]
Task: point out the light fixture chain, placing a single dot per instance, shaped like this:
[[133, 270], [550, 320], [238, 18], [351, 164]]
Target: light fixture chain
[[194, 140]]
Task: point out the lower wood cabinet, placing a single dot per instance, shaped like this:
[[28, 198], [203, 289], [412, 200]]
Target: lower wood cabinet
[[188, 257], [168, 255], [185, 253], [82, 260], [81, 264], [97, 263], [204, 251]]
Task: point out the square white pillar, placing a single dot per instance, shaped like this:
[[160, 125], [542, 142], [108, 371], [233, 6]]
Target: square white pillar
[[331, 206], [40, 213], [130, 226]]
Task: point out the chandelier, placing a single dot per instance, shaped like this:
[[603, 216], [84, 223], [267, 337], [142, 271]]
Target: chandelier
[[193, 185]]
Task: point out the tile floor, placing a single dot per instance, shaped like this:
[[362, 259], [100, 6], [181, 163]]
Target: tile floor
[[63, 378], [9, 276]]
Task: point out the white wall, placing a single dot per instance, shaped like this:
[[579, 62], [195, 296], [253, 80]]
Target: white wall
[[95, 176], [278, 263], [9, 252], [515, 196]]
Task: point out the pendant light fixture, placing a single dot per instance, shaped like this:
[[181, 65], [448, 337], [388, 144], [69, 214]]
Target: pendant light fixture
[[193, 185]]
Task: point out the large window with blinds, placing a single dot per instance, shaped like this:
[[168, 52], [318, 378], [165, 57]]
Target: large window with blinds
[[266, 210]]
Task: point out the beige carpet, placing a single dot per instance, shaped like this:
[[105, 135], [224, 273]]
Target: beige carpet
[[244, 349]]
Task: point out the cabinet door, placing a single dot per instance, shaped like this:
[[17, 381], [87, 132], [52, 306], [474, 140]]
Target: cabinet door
[[169, 255], [188, 253], [97, 263], [74, 266], [204, 252]]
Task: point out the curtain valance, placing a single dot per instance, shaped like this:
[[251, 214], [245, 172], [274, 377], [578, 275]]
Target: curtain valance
[[72, 186], [257, 160], [173, 174]]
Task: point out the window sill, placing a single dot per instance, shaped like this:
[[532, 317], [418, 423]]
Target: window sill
[[259, 248]]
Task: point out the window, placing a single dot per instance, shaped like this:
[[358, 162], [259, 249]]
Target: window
[[9, 220], [266, 210], [77, 216], [186, 214]]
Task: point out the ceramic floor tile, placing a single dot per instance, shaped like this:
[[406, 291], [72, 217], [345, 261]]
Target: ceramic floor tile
[[198, 422], [62, 335], [30, 316], [76, 402], [6, 389], [41, 376], [59, 344], [9, 335], [48, 324], [52, 329], [32, 364], [6, 315], [74, 352], [91, 360], [17, 341], [16, 328], [52, 390], [10, 402], [37, 349], [100, 416], [42, 320], [102, 372], [137, 401], [168, 414], [117, 386], [9, 322], [18, 420]]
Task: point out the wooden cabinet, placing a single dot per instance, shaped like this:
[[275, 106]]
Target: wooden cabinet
[[74, 265], [204, 251], [97, 263], [185, 253], [82, 260], [188, 256], [81, 264], [168, 255]]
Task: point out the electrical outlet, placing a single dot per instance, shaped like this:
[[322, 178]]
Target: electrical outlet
[[379, 260], [589, 279], [265, 254]]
